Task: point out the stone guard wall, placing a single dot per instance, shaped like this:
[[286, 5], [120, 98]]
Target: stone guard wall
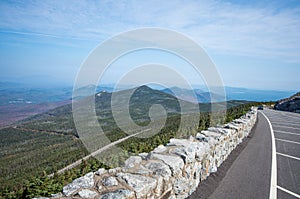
[[171, 171]]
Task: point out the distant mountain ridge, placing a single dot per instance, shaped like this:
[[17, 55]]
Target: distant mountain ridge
[[11, 92], [194, 96], [232, 93], [60, 118], [18, 101]]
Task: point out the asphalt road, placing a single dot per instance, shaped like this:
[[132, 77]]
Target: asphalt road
[[269, 156], [249, 176], [286, 128]]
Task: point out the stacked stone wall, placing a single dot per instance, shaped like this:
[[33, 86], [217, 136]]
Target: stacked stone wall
[[171, 171]]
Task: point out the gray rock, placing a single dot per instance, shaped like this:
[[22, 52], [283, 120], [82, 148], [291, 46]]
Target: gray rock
[[140, 184], [211, 134], [119, 194], [174, 162], [240, 121], [57, 195], [101, 171], [291, 104], [188, 172], [110, 181], [41, 198], [143, 155], [133, 161], [99, 186], [141, 170], [187, 154], [159, 169], [199, 148], [86, 193], [233, 126], [197, 174], [220, 130], [114, 170], [180, 186], [212, 141], [201, 137], [191, 138], [160, 149], [160, 186], [86, 181], [179, 142], [213, 169]]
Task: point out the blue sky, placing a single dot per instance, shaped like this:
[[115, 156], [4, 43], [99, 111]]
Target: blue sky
[[254, 44]]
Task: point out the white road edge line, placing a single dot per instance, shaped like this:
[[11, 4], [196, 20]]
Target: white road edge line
[[289, 123], [289, 156], [283, 126], [273, 186], [283, 116], [289, 114], [282, 140], [285, 132], [288, 191], [292, 116]]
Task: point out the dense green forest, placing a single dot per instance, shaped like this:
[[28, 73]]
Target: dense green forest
[[45, 143]]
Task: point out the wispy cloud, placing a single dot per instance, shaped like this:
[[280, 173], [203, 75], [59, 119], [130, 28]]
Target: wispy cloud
[[263, 31]]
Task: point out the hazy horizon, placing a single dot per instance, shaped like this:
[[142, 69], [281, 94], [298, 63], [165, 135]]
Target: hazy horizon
[[65, 85]]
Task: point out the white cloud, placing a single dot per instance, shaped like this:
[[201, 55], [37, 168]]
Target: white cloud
[[223, 27]]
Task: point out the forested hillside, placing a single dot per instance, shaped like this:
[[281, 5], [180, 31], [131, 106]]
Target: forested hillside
[[44, 143]]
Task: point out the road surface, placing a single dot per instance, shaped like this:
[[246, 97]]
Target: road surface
[[265, 165], [286, 128]]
